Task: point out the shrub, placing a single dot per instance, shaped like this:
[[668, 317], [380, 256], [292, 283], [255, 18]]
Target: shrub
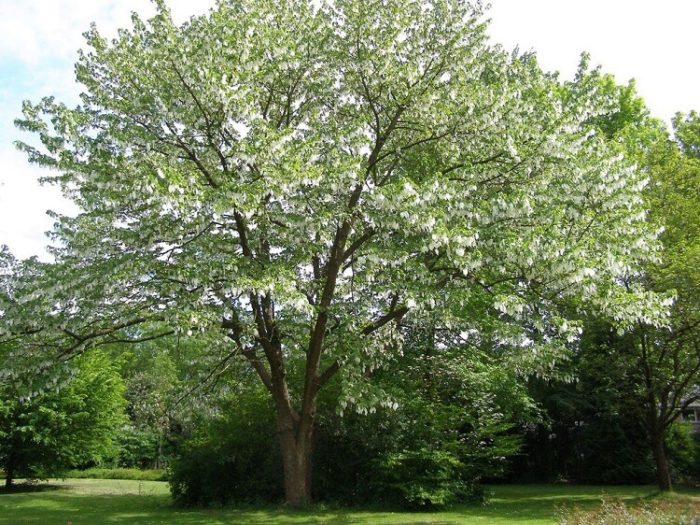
[[418, 456], [137, 447], [233, 457], [424, 478], [684, 452]]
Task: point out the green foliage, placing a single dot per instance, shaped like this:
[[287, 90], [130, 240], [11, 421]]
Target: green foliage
[[450, 428], [232, 457], [74, 425], [635, 378], [593, 429], [169, 381], [137, 447], [683, 447], [687, 129], [425, 477], [152, 386]]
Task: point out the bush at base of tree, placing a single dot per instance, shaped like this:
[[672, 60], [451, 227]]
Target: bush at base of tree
[[233, 457], [413, 457]]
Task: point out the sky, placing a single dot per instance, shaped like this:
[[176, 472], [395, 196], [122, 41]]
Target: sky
[[652, 41]]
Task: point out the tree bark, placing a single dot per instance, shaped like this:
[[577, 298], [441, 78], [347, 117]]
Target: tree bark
[[9, 474], [296, 445], [663, 474]]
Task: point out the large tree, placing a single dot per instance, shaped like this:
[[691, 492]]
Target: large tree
[[293, 178]]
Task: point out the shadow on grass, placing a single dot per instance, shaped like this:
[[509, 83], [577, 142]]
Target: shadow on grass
[[21, 488], [61, 508], [151, 510], [509, 505]]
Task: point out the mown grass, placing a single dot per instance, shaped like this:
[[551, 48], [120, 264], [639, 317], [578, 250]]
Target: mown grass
[[119, 473], [88, 502]]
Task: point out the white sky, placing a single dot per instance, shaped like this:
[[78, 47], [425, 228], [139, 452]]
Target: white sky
[[652, 41]]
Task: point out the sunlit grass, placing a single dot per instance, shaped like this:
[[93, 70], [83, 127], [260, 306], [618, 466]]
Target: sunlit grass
[[91, 501]]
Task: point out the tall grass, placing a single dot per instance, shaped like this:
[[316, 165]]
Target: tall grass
[[615, 512]]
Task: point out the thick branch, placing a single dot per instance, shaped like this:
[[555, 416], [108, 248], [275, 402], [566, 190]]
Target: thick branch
[[392, 315]]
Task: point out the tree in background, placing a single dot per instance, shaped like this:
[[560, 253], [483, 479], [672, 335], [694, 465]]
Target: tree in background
[[592, 430], [74, 424], [668, 360], [152, 387], [296, 198], [650, 374], [172, 384]]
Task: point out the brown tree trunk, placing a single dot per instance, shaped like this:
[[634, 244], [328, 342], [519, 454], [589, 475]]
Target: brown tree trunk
[[297, 449], [9, 474], [663, 474]]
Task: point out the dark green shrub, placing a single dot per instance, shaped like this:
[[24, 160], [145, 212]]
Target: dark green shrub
[[434, 448], [683, 446], [233, 458], [424, 478]]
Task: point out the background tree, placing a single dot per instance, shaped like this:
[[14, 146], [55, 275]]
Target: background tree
[[43, 434], [173, 384], [592, 429], [650, 373], [669, 360], [300, 196]]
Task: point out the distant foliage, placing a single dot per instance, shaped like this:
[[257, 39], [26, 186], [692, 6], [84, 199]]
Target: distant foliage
[[684, 452], [46, 433], [137, 447]]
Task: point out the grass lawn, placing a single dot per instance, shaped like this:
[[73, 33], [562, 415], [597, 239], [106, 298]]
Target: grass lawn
[[92, 501]]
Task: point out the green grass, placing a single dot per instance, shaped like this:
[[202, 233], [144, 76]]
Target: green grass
[[119, 473], [92, 501]]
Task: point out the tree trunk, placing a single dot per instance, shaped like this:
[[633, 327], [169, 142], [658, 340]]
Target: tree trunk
[[9, 474], [297, 449], [663, 475]]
